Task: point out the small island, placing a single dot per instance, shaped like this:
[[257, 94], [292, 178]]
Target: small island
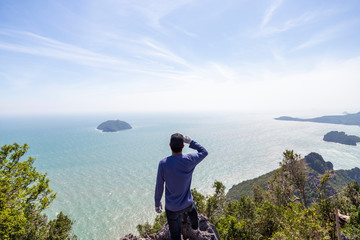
[[113, 126], [341, 137]]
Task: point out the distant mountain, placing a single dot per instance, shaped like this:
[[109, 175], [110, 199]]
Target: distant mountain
[[316, 167], [341, 137], [113, 126], [347, 119]]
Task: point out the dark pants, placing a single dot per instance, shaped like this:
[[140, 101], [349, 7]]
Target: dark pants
[[174, 220]]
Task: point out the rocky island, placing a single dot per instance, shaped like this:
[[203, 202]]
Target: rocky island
[[113, 126], [346, 119], [341, 137]]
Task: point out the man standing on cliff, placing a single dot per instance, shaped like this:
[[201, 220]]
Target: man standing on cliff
[[176, 171]]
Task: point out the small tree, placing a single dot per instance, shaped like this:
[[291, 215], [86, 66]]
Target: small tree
[[280, 189], [199, 201], [215, 203], [293, 167], [24, 194]]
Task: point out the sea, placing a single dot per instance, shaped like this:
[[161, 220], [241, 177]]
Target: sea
[[105, 181]]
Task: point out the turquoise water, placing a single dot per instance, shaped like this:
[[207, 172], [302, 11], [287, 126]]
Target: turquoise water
[[105, 181]]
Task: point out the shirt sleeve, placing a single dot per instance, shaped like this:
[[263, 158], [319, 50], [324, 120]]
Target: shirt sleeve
[[201, 152], [159, 188]]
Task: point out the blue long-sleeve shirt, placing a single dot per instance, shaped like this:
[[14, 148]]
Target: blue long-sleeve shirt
[[176, 171]]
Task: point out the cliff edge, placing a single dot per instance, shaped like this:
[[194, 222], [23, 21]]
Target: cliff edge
[[206, 231]]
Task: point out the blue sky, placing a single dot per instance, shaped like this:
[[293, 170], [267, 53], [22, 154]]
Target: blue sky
[[91, 56]]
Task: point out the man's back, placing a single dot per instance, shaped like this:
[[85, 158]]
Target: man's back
[[176, 171]]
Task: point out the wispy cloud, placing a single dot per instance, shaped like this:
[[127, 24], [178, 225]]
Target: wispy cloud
[[42, 46], [157, 10], [184, 31], [322, 36], [154, 58], [269, 12], [163, 53], [289, 24]]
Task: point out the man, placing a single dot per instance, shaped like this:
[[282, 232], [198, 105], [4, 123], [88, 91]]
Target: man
[[176, 171]]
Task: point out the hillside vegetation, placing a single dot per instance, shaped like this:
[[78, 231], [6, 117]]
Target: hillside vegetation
[[303, 199], [315, 167]]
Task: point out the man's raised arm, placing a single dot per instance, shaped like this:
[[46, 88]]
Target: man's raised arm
[[202, 152]]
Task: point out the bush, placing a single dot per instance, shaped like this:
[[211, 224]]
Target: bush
[[24, 194]]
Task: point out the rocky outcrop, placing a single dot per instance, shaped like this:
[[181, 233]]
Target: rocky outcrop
[[317, 163], [206, 231]]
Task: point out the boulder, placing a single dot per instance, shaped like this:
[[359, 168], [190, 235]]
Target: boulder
[[206, 231]]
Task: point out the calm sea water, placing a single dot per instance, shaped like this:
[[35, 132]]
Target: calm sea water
[[105, 181]]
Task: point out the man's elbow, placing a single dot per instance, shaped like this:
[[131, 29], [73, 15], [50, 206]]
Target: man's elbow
[[205, 153]]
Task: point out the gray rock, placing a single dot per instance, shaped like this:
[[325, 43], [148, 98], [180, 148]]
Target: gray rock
[[206, 231]]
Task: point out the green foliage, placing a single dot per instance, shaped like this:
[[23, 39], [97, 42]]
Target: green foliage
[[245, 188], [147, 228], [280, 189], [352, 192], [351, 199], [60, 228], [318, 166], [243, 209], [267, 219], [230, 228], [215, 203], [352, 230], [276, 213], [199, 201], [293, 169], [160, 220], [212, 205], [299, 223], [244, 212], [24, 194], [336, 183]]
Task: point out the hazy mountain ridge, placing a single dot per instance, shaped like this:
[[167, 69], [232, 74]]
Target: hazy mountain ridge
[[347, 119]]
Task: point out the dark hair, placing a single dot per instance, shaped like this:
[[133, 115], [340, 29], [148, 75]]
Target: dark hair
[[177, 142]]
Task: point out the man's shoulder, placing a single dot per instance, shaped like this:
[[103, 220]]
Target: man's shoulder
[[164, 160]]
